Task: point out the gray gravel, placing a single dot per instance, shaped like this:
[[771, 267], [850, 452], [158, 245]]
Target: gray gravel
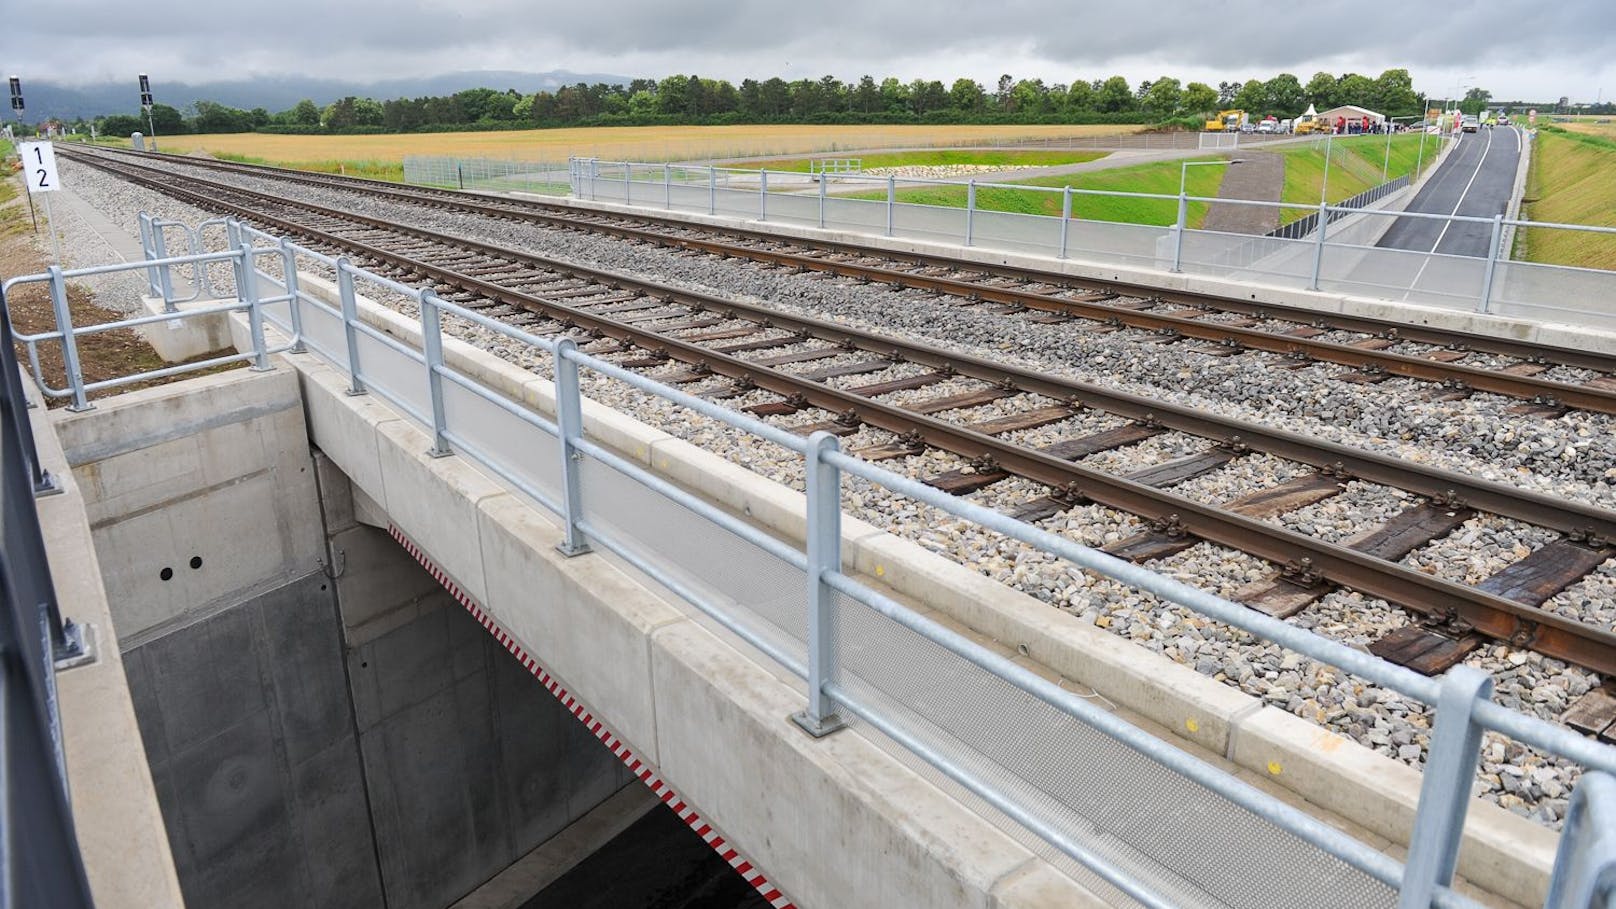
[[1573, 456]]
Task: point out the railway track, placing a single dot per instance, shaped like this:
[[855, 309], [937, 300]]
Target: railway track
[[1219, 326], [655, 326]]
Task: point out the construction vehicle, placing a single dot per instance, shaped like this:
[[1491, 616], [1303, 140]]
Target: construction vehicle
[[1309, 122], [1227, 121]]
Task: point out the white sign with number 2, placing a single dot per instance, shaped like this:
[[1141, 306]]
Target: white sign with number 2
[[39, 163]]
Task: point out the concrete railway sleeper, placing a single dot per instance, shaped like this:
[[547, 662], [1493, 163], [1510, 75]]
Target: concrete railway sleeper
[[1454, 616], [1045, 294]]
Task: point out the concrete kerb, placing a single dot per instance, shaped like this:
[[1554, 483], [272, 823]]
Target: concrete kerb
[[1364, 787], [1566, 335]]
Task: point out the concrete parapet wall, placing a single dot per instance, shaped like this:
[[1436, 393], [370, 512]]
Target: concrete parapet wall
[[180, 339], [115, 810], [498, 547]]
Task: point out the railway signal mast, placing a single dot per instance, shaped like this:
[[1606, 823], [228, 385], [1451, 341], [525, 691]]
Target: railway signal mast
[[146, 103], [17, 106]]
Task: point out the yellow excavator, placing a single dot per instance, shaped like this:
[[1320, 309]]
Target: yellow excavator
[[1226, 121]]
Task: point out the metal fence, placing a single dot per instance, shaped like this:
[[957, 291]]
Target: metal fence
[[1323, 262], [1132, 817], [1304, 226], [40, 864], [487, 174]]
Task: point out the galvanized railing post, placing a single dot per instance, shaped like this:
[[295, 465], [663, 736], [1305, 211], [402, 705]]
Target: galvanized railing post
[[247, 292], [294, 305], [1450, 768], [892, 201], [712, 190], [1066, 219], [970, 209], [667, 186], [165, 277], [1318, 248], [763, 195], [1178, 230], [823, 182], [824, 554], [149, 253], [1492, 264], [350, 318], [628, 183], [432, 348], [570, 424], [70, 346], [1585, 863]]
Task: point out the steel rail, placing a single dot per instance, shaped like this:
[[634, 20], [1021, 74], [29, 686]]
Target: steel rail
[[1497, 617], [1412, 366]]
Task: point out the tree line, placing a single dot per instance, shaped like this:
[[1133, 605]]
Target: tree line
[[695, 100]]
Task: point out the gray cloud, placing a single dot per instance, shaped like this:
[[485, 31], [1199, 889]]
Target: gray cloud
[[1512, 47]]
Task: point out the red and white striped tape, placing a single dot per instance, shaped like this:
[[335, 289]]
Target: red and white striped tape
[[647, 775]]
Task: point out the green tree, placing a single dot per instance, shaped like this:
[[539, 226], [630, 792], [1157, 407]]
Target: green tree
[[1284, 96], [1199, 99], [306, 113], [1080, 97], [1322, 91], [866, 96], [167, 120], [1353, 88], [967, 96], [1114, 96], [1252, 97], [1475, 101], [1163, 97], [1394, 93]]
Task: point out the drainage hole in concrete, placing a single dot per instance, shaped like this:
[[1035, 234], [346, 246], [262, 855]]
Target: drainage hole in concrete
[[166, 574], [196, 562]]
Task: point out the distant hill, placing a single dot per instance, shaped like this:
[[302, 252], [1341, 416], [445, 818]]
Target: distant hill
[[279, 93]]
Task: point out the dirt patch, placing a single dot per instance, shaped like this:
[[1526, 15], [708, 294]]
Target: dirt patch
[[104, 355]]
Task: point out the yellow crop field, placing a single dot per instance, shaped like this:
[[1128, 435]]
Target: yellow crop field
[[1593, 126], [634, 143]]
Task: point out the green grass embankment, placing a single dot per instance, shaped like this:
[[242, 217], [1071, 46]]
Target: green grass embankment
[[1572, 180], [1158, 178], [1356, 164], [937, 158]]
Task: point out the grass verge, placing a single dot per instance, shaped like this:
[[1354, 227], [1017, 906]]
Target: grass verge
[[940, 158], [1570, 182], [391, 171]]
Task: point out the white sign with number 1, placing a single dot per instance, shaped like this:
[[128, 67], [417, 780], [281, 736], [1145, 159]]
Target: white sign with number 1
[[39, 162]]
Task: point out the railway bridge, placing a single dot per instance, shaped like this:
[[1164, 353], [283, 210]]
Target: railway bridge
[[385, 613]]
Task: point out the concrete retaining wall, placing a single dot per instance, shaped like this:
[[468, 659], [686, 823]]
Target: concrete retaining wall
[[356, 741], [498, 548]]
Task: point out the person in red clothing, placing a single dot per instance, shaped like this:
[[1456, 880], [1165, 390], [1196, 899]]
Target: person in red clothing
[[1366, 123], [1340, 124]]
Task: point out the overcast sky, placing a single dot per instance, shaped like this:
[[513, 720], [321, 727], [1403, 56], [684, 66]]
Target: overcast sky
[[1515, 48]]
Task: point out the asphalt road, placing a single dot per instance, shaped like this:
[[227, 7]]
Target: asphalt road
[[1476, 180]]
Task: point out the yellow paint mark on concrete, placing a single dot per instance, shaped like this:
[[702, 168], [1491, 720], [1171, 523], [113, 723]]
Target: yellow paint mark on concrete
[[1192, 725], [880, 570], [1275, 768]]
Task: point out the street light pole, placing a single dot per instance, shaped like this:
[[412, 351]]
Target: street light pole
[[1324, 191], [1183, 204]]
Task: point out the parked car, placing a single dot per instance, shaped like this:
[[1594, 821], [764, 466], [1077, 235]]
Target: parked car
[[1269, 125], [1469, 124], [1247, 128]]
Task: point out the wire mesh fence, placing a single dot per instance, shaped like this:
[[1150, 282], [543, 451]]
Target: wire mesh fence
[[487, 174]]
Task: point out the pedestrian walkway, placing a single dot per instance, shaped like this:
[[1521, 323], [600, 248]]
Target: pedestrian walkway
[[1259, 177]]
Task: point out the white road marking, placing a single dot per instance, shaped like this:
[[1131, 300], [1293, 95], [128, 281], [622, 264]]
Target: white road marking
[[1465, 192]]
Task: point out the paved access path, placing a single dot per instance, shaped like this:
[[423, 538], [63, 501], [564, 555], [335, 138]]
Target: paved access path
[[1476, 180], [1259, 177]]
